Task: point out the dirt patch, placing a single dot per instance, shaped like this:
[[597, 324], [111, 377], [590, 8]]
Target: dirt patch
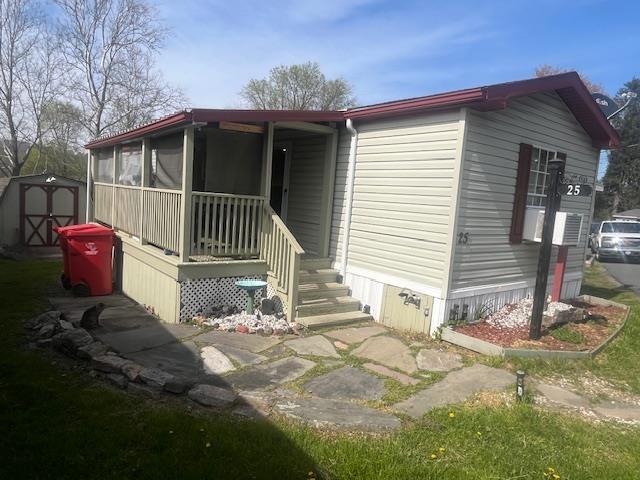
[[593, 332]]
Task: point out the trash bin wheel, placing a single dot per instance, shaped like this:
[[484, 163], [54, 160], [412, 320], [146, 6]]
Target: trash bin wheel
[[66, 283], [81, 290]]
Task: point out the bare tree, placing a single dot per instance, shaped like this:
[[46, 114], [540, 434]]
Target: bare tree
[[298, 87], [109, 46], [28, 79], [546, 70]]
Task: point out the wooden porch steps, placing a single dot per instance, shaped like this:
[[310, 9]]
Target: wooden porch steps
[[322, 301]]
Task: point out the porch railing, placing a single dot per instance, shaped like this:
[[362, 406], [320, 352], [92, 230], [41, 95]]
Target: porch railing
[[226, 225], [127, 204], [281, 252], [161, 217], [103, 200]]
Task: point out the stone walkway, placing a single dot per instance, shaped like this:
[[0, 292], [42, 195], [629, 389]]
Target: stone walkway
[[338, 378]]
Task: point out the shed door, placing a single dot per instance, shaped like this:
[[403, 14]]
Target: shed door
[[43, 207]]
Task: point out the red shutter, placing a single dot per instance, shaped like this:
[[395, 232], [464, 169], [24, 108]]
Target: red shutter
[[520, 196]]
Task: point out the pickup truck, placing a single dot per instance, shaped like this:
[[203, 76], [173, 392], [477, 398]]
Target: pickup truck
[[617, 239]]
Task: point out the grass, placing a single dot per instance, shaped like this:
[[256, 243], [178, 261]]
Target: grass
[[58, 423], [567, 333]]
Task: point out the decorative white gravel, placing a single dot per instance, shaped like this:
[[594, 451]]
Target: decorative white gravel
[[252, 322], [519, 314]]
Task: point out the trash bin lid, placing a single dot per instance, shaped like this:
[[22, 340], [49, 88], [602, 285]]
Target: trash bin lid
[[85, 230]]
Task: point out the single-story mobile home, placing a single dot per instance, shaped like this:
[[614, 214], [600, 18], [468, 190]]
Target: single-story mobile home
[[414, 212]]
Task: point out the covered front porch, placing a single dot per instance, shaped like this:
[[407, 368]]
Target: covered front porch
[[218, 191]]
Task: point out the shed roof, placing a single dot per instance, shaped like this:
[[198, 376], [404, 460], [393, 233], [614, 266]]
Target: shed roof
[[6, 181], [492, 97]]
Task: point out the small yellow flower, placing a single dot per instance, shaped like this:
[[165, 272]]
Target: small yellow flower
[[479, 434], [441, 449], [556, 476], [208, 445], [452, 414], [433, 456]]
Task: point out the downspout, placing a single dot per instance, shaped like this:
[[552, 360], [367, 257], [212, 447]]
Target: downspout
[[87, 212], [351, 169]]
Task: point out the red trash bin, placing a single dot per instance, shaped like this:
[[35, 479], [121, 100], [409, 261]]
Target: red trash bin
[[87, 251]]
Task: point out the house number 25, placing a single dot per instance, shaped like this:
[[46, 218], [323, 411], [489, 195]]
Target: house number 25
[[463, 238]]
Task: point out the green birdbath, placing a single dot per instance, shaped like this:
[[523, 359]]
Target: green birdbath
[[250, 286]]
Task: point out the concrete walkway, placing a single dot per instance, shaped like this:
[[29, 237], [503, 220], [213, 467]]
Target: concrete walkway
[[302, 377]]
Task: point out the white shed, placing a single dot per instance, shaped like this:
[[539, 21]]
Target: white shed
[[31, 205]]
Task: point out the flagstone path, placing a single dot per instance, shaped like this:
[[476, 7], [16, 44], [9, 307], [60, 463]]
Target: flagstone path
[[302, 377]]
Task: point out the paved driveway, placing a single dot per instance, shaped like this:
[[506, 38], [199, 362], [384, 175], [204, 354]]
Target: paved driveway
[[626, 273]]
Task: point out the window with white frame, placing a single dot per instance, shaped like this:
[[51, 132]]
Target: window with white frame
[[539, 176]]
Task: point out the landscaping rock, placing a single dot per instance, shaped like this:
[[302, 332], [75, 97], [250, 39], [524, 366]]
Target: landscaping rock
[[109, 363], [117, 379], [145, 390], [177, 385], [211, 396], [355, 334], [315, 345], [347, 383], [437, 361], [241, 356], [132, 371], [456, 387], [388, 351], [215, 362], [47, 331], [340, 345], [271, 374], [155, 377], [44, 342], [322, 412], [387, 372], [95, 349], [64, 325], [69, 341], [267, 306], [51, 316]]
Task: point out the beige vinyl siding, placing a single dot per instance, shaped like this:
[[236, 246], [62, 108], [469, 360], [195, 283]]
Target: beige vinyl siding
[[488, 186], [338, 217], [305, 190], [403, 189]]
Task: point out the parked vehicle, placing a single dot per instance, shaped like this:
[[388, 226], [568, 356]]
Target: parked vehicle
[[618, 239]]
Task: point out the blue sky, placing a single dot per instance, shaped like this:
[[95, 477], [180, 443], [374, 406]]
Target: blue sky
[[395, 49]]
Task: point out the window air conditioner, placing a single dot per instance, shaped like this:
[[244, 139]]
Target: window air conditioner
[[566, 231]]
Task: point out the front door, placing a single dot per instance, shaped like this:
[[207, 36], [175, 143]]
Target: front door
[[43, 207], [280, 166]]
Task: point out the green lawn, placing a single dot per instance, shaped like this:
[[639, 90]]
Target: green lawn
[[56, 422]]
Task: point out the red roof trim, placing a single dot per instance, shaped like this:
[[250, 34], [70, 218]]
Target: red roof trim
[[494, 97], [206, 115]]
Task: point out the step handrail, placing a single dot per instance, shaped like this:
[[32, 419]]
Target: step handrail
[[282, 253]]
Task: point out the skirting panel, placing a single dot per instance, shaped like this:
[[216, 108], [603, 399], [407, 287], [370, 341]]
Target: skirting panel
[[196, 296]]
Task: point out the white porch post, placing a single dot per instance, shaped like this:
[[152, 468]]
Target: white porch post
[[113, 186], [328, 183], [185, 200], [267, 157], [145, 170], [88, 214]]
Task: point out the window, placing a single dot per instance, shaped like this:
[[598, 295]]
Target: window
[[130, 164], [620, 227], [539, 176], [104, 165], [166, 162]]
